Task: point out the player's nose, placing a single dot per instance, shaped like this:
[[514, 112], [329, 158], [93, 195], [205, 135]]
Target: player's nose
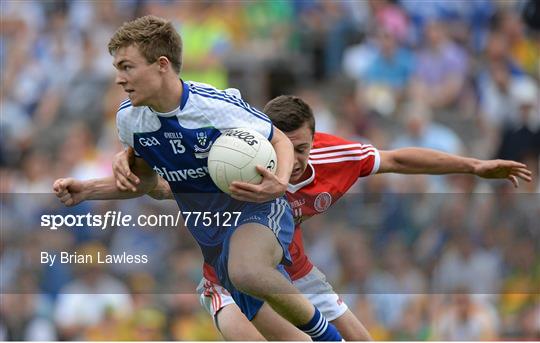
[[119, 80]]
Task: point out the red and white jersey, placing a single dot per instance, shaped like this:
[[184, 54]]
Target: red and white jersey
[[336, 164]]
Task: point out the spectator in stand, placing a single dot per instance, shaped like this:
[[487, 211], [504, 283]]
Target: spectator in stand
[[463, 263], [465, 319], [524, 50], [496, 76], [205, 42], [441, 69], [26, 314], [520, 286], [521, 135], [421, 131], [387, 76], [396, 285]]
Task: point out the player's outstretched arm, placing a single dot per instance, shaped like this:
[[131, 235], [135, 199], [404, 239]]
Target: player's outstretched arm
[[272, 186], [427, 161], [72, 192], [126, 180]]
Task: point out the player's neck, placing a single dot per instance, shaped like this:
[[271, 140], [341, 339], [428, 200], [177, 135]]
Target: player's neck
[[169, 97]]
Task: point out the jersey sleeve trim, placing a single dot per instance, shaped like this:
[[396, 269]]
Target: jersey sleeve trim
[[231, 99], [376, 163], [271, 135]]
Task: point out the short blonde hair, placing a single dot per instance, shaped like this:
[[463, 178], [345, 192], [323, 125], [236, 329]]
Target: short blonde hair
[[153, 36]]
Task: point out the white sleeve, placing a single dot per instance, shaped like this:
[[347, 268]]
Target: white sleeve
[[226, 110], [244, 116], [124, 128]]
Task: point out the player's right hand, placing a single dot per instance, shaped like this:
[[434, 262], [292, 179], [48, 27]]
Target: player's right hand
[[69, 191], [503, 169], [126, 180], [269, 189]]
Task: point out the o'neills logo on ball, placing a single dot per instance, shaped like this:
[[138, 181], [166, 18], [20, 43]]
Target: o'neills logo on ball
[[323, 201], [246, 136]]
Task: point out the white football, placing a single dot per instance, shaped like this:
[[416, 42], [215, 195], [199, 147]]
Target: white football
[[235, 154]]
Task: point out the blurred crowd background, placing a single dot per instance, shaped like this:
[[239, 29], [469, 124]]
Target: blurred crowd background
[[446, 258]]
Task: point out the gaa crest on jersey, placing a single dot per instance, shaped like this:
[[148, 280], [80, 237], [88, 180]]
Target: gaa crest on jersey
[[200, 150], [201, 138], [323, 201]]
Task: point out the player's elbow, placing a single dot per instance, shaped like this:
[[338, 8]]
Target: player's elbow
[[390, 162], [148, 183]]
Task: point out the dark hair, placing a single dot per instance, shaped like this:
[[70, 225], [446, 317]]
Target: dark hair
[[289, 113], [153, 36]]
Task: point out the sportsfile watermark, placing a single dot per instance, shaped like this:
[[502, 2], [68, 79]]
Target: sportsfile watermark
[[480, 243], [117, 219]]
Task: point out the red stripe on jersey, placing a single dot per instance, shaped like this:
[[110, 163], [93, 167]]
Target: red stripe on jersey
[[216, 300], [357, 152], [343, 159], [206, 287], [337, 147]]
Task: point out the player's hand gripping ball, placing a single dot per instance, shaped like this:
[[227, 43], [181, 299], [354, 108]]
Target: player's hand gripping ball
[[235, 154]]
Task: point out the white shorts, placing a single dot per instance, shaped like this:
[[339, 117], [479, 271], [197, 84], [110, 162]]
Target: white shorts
[[320, 293]]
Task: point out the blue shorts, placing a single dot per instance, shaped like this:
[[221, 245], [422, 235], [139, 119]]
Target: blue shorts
[[277, 216]]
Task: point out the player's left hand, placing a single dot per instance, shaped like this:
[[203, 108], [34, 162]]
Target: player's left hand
[[269, 189], [503, 169], [125, 179]]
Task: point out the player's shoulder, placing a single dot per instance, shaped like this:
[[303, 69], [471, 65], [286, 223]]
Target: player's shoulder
[[131, 119], [126, 110], [203, 95], [200, 86], [331, 149], [219, 106], [328, 141]]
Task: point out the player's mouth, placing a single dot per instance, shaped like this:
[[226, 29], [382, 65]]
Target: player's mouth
[[296, 172]]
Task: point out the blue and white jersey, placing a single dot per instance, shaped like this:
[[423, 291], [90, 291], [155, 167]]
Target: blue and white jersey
[[176, 145]]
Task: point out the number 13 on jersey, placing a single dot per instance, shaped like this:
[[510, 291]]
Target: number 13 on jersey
[[177, 146]]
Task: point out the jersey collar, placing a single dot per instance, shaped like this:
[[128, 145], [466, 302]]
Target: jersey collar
[[294, 188], [185, 94], [183, 101]]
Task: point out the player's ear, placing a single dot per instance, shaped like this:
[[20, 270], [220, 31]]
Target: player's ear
[[163, 63]]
